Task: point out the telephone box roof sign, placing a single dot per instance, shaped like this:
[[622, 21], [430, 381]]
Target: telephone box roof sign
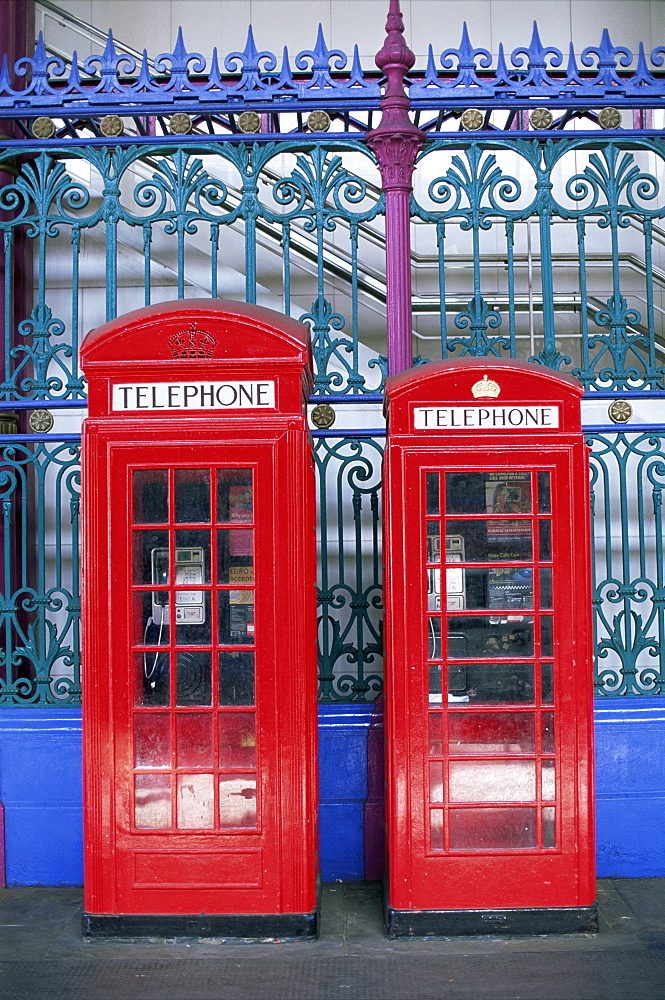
[[478, 395], [198, 355]]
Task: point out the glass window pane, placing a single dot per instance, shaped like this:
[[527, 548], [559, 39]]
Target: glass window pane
[[492, 828], [499, 492], [151, 557], [192, 615], [435, 683], [235, 556], [435, 735], [545, 536], [548, 732], [546, 683], [194, 739], [484, 540], [434, 637], [151, 617], [491, 732], [192, 556], [236, 678], [151, 678], [544, 493], [492, 780], [237, 800], [193, 678], [192, 496], [436, 781], [432, 481], [546, 635], [152, 740], [506, 588], [548, 784], [549, 839], [235, 496], [152, 801], [433, 542], [237, 739], [196, 802], [546, 587], [489, 636], [490, 683], [236, 617], [436, 829], [150, 496]]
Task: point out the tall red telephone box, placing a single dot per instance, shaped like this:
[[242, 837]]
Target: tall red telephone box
[[488, 652], [199, 625]]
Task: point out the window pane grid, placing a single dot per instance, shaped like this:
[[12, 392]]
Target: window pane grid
[[520, 774], [208, 779]]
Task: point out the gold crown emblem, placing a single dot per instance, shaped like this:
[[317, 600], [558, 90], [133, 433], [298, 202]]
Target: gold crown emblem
[[192, 343], [485, 389]]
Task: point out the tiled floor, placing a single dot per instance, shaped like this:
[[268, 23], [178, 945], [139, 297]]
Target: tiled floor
[[42, 956]]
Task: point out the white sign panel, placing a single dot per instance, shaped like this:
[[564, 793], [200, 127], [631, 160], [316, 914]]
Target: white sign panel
[[486, 418], [194, 396]]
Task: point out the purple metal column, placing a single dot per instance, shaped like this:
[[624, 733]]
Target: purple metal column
[[396, 143]]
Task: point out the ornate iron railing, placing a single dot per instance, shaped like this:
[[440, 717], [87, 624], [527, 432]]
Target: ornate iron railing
[[532, 238]]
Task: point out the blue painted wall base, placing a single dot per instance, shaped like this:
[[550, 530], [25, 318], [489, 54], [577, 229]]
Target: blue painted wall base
[[630, 787], [40, 786]]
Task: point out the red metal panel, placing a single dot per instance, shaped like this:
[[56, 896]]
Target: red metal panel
[[488, 642]]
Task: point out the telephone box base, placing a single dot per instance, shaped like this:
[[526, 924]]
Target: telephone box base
[[458, 923], [229, 926]]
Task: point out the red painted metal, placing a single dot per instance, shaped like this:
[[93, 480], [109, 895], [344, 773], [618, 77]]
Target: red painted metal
[[199, 738], [489, 776]]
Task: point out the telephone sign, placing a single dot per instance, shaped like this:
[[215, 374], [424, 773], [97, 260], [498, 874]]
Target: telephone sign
[[199, 625], [488, 652]]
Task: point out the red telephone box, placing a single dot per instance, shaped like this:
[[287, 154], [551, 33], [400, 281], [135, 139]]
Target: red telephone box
[[199, 625], [488, 652]]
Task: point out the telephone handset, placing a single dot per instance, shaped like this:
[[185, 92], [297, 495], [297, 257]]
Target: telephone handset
[[189, 604], [455, 583]]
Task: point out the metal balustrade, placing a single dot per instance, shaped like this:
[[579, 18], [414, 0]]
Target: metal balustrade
[[543, 243]]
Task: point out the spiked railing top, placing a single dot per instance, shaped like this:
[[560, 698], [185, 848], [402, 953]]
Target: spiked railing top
[[183, 80]]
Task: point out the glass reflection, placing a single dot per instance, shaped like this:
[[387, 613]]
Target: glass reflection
[[491, 732], [192, 496], [152, 801], [236, 678], [432, 488], [152, 740], [235, 496], [491, 683], [194, 739], [237, 739], [484, 540], [196, 801], [193, 678], [237, 800], [436, 781], [492, 828], [150, 496], [544, 493], [492, 780], [490, 636]]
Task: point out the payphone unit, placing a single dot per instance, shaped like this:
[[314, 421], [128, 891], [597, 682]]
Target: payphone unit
[[200, 679], [488, 652]]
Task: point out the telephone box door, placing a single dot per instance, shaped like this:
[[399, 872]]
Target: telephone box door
[[488, 684]]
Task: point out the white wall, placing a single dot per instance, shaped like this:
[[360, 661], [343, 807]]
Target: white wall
[[153, 24]]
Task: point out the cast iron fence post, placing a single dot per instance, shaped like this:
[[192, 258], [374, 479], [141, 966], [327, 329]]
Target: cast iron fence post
[[396, 143]]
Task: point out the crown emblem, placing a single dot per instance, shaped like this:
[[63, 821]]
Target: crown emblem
[[192, 343], [485, 389]]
